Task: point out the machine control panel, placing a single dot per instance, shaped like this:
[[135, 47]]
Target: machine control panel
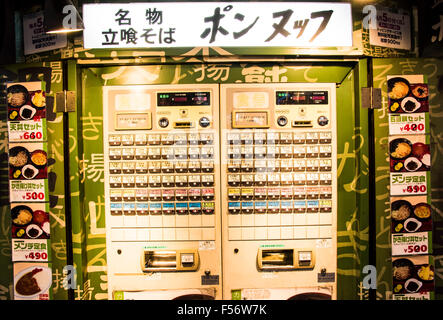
[[278, 183], [162, 185], [163, 174], [284, 174], [189, 174]]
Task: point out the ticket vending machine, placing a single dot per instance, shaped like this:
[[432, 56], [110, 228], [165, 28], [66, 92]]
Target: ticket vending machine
[[279, 199], [162, 191]]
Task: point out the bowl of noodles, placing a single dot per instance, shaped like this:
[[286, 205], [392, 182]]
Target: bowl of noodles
[[18, 157], [401, 210], [17, 95], [398, 88], [21, 215], [400, 148], [402, 269]]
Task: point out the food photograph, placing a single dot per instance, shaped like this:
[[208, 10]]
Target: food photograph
[[409, 154], [404, 97], [32, 281], [30, 221], [412, 274], [24, 104], [410, 214], [27, 161]]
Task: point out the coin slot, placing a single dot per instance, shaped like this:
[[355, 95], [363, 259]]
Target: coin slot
[[302, 123]]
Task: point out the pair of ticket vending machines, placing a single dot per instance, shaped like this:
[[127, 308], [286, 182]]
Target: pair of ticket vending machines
[[221, 191]]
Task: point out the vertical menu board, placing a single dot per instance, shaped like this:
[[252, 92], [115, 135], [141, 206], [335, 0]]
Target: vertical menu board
[[410, 165], [28, 191]]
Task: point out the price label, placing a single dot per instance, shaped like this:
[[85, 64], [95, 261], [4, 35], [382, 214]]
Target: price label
[[26, 131], [30, 250], [28, 191], [413, 296], [404, 244], [409, 183], [414, 123]]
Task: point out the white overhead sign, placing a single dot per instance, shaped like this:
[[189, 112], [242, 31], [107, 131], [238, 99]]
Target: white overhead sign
[[224, 24]]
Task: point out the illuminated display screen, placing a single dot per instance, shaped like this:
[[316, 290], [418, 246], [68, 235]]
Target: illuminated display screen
[[175, 99], [301, 97]]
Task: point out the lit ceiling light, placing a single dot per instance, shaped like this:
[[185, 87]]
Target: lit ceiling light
[[61, 16]]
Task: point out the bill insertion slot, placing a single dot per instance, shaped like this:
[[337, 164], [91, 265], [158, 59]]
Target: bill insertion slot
[[302, 123], [183, 124]]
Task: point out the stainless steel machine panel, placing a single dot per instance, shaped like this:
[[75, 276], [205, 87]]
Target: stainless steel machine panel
[[279, 182], [162, 188]]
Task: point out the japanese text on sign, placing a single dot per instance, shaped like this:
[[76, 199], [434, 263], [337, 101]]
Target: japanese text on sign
[[217, 24]]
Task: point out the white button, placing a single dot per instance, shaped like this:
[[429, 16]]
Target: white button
[[169, 234], [143, 220], [312, 232], [195, 220], [142, 235], [247, 220], [182, 234], [195, 234], [155, 221], [169, 221], [274, 219], [208, 220], [260, 219], [116, 221], [274, 233], [287, 232], [261, 233], [325, 232], [299, 232], [326, 218], [117, 235], [130, 234], [287, 220], [247, 233], [181, 221], [234, 220], [156, 234], [130, 221], [234, 234], [312, 219]]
